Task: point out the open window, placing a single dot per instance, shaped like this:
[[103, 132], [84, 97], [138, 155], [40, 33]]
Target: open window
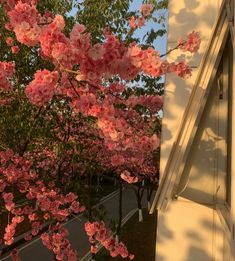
[[225, 173], [172, 176]]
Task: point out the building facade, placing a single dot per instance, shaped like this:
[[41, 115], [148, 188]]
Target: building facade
[[196, 196]]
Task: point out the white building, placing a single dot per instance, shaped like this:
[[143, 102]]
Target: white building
[[196, 196]]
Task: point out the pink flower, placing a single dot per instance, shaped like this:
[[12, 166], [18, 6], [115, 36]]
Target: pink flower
[[59, 21], [7, 196], [90, 228], [15, 255], [117, 160], [60, 51], [183, 70], [192, 43], [94, 249], [23, 21], [36, 227], [9, 233], [98, 232], [17, 219], [115, 87], [133, 23], [15, 49], [2, 185], [23, 12], [42, 88], [9, 41], [70, 197], [96, 52], [46, 240], [126, 175], [76, 207], [155, 141], [146, 9], [7, 70], [33, 217], [28, 237], [27, 34]]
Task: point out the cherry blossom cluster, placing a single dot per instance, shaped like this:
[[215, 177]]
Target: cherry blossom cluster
[[10, 229], [152, 102], [17, 171], [14, 170], [24, 19], [14, 48], [7, 71], [9, 4], [99, 233], [192, 43], [95, 62], [57, 242], [15, 255], [126, 175], [145, 10], [42, 88]]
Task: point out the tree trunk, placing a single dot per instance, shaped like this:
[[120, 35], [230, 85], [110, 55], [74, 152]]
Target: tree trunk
[[139, 199], [119, 209]]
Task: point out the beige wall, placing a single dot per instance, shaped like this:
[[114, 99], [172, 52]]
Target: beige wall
[[186, 232], [190, 229], [184, 16]]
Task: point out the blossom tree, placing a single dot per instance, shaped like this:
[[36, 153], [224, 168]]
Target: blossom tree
[[74, 77]]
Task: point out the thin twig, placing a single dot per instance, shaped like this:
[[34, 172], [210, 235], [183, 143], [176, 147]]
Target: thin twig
[[175, 48]]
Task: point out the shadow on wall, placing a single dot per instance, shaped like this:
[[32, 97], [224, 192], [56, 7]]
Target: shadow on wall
[[201, 165], [173, 241], [185, 15], [183, 18], [198, 254], [195, 223]]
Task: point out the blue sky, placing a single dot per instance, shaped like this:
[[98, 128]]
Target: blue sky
[[160, 42]]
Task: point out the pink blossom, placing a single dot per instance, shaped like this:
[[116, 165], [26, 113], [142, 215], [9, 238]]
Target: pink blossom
[[42, 88], [15, 255], [7, 70], [146, 9], [96, 52], [49, 37], [59, 245], [117, 160], [15, 49], [192, 43], [183, 70], [36, 227], [23, 21], [98, 232], [155, 141], [7, 196], [9, 233], [23, 12], [118, 88], [133, 23], [9, 41], [59, 21], [76, 207], [28, 237], [70, 197], [90, 228], [136, 22], [126, 175], [26, 34]]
